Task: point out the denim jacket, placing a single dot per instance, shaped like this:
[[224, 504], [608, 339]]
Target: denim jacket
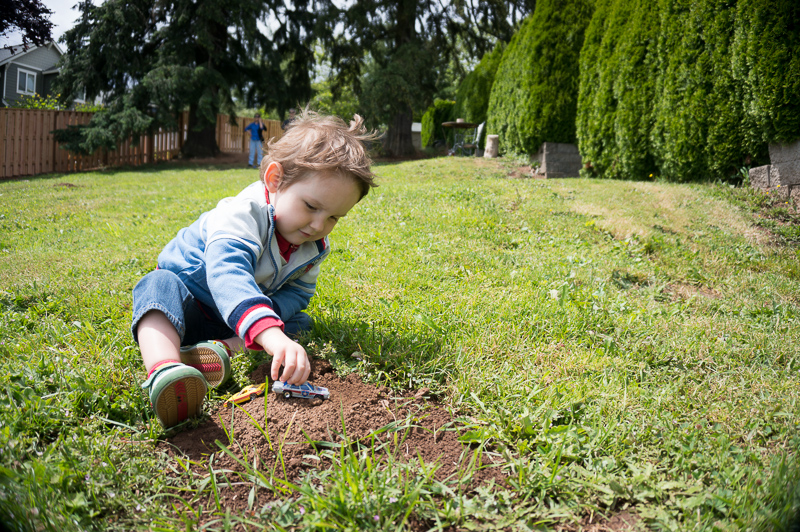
[[230, 261]]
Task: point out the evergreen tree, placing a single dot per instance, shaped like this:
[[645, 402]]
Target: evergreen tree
[[151, 60], [617, 89], [687, 89], [535, 92], [472, 98], [766, 63]]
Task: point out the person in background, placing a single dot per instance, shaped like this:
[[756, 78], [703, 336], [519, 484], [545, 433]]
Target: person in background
[[289, 120], [256, 140]]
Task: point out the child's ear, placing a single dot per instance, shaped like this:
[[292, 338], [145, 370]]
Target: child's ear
[[273, 176]]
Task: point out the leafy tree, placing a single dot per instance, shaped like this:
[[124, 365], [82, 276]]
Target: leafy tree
[[472, 97], [151, 60], [30, 17], [344, 106], [410, 44]]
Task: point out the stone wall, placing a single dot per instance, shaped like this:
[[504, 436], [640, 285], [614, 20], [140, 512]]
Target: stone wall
[[783, 174], [557, 160]]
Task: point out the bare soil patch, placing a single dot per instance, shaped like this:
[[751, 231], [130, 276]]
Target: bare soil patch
[[427, 430], [621, 522], [221, 159], [686, 291], [521, 172]]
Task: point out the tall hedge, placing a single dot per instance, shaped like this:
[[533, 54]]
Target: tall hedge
[[472, 97], [766, 61], [535, 93], [617, 87], [699, 119], [432, 130], [687, 89]]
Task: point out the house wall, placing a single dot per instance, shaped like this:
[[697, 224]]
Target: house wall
[[48, 83], [37, 61]]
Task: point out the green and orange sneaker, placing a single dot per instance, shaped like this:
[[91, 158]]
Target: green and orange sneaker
[[211, 358], [176, 392]]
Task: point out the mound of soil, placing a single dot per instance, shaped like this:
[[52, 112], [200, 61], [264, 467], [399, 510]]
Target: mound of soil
[[297, 423]]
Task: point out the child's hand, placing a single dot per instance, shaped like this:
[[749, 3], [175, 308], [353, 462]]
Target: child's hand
[[285, 352]]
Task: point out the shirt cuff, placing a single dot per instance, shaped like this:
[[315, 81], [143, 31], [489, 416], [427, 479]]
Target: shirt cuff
[[257, 328]]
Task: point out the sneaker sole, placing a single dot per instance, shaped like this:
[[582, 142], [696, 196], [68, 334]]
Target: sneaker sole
[[207, 362], [180, 400]]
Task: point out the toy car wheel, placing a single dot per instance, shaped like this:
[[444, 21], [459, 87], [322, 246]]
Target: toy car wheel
[[287, 395]]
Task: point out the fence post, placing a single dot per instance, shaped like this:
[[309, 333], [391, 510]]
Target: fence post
[[150, 148]]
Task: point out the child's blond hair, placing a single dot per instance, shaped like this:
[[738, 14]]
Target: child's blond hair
[[321, 143]]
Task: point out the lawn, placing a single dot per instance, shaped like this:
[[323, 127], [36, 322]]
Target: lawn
[[603, 349]]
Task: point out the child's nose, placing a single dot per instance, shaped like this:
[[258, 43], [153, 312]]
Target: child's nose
[[317, 223]]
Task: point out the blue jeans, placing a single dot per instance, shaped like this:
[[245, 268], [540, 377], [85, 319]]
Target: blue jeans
[[255, 147], [162, 290]]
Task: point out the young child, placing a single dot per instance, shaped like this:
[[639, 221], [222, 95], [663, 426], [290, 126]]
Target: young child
[[243, 273]]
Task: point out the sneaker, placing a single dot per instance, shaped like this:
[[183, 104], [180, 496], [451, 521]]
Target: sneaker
[[211, 359], [176, 392]]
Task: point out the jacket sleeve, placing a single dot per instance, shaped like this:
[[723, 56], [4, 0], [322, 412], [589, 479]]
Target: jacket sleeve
[[296, 294], [235, 232], [230, 275]]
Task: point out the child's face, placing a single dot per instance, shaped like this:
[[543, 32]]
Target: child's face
[[308, 209]]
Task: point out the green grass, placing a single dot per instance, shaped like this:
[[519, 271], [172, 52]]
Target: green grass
[[621, 346]]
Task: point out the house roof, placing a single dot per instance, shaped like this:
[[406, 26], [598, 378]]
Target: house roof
[[6, 53]]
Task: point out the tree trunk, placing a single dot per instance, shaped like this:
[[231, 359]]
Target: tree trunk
[[201, 137], [398, 138]]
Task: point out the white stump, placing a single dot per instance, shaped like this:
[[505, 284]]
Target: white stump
[[492, 142]]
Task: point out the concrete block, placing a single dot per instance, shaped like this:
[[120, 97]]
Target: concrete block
[[563, 149], [759, 177], [784, 153], [784, 174], [558, 159]]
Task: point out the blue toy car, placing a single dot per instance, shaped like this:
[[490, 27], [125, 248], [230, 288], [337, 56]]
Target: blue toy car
[[304, 391]]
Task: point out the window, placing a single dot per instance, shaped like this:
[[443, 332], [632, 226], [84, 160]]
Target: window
[[26, 82]]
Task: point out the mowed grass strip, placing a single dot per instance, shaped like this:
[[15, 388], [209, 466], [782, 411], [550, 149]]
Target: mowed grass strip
[[621, 346]]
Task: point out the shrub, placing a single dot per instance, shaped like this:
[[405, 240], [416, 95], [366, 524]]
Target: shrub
[[432, 130], [766, 61], [617, 87], [37, 101], [472, 98], [699, 120], [535, 93], [687, 89]]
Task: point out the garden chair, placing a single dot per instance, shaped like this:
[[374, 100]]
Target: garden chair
[[473, 145]]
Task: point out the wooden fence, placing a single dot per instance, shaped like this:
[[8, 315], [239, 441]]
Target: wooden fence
[[27, 146]]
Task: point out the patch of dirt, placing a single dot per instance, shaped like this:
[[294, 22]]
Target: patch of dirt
[[522, 172], [222, 159], [686, 291], [621, 522], [296, 422]]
